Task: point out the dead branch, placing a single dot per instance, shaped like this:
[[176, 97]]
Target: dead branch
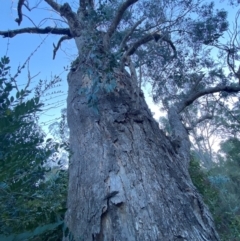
[[19, 10], [22, 3], [59, 44], [47, 30]]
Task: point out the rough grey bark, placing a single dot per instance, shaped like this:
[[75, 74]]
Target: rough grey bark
[[127, 181]]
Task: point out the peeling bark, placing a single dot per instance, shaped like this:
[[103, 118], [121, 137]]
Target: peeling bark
[[127, 181]]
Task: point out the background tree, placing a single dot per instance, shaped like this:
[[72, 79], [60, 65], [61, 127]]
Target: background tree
[[225, 177], [122, 166], [219, 187]]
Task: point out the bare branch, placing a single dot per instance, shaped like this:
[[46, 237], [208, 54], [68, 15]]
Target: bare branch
[[30, 20], [59, 44], [232, 48], [35, 5], [29, 76], [188, 101], [44, 20], [20, 68], [117, 19], [47, 30], [19, 10], [22, 3]]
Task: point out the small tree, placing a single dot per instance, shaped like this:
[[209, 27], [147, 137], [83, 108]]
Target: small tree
[[27, 200]]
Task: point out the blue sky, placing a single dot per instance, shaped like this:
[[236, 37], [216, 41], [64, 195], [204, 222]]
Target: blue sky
[[22, 46]]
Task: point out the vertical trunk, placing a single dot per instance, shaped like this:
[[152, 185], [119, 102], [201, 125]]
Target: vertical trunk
[[126, 179]]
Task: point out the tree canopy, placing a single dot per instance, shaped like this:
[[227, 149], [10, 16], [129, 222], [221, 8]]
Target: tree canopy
[[187, 52]]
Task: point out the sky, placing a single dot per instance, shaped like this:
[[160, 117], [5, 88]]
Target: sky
[[22, 46]]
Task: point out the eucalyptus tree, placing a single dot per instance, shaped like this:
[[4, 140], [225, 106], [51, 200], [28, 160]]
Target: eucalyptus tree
[[127, 179]]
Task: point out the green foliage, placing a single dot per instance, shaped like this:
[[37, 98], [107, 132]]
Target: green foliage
[[102, 80], [30, 204], [27, 235], [220, 189], [209, 26], [231, 149], [200, 180]]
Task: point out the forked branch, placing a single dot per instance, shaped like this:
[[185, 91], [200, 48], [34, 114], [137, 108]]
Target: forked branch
[[128, 35], [118, 18], [147, 38]]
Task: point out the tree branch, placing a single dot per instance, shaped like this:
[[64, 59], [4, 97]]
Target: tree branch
[[13, 33], [188, 101], [19, 10], [126, 37], [59, 44], [82, 4], [54, 5], [149, 37], [152, 36], [72, 18], [203, 118], [91, 3], [117, 19], [66, 11]]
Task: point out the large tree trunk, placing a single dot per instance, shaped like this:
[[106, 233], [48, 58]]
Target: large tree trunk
[[127, 181]]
